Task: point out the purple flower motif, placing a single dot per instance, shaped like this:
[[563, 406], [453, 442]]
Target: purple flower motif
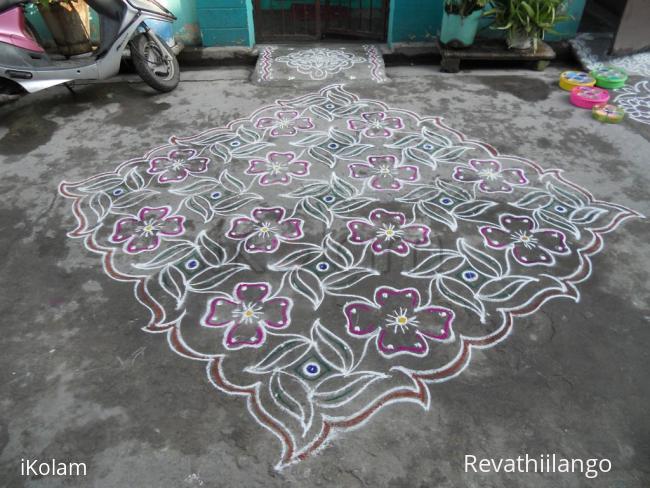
[[492, 178], [278, 168], [264, 231], [247, 314], [529, 245], [384, 172], [401, 326], [177, 165], [388, 233], [143, 232], [285, 123], [376, 124]]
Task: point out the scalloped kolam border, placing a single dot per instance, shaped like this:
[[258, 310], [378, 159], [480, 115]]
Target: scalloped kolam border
[[419, 393]]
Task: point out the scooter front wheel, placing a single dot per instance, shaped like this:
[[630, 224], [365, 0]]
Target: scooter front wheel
[[159, 70]]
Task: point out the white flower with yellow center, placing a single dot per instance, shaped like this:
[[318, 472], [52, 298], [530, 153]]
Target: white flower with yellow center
[[526, 239], [388, 232], [385, 170], [247, 313], [400, 321], [489, 174]]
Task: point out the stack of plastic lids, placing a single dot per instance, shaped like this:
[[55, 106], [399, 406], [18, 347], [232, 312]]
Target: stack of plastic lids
[[609, 77], [570, 79], [588, 96], [608, 113]]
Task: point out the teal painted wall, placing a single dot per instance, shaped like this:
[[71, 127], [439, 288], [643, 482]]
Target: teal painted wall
[[230, 22], [415, 20], [420, 21], [225, 22]]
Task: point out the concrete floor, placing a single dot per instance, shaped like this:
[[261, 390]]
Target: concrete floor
[[80, 381]]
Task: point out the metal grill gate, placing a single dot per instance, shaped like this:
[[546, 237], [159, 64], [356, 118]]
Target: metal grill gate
[[294, 20]]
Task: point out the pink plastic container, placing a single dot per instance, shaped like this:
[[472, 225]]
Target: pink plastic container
[[588, 96]]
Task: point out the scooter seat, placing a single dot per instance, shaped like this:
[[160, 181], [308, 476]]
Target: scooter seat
[[7, 4]]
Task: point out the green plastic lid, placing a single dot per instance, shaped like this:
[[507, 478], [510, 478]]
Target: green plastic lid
[[609, 77]]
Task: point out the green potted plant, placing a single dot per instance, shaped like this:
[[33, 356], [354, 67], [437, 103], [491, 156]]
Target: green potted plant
[[69, 23], [460, 20], [526, 21]]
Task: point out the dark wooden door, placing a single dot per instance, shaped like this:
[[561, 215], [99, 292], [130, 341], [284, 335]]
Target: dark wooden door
[[313, 20], [633, 34], [362, 19], [287, 20]]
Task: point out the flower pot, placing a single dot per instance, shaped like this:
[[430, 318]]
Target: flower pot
[[69, 24], [520, 40], [458, 31]]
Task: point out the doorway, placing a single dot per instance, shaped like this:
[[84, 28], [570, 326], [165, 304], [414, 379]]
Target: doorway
[[315, 20], [625, 21]]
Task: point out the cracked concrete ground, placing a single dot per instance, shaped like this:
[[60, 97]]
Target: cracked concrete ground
[[80, 381]]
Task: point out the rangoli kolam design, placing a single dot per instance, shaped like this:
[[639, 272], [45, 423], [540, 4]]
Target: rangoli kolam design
[[588, 96], [330, 256], [636, 101], [570, 79]]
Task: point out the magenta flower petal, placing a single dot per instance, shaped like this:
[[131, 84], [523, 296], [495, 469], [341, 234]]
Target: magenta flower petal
[[275, 214], [513, 224], [252, 292], [390, 343], [407, 296], [156, 213], [269, 179], [531, 256], [379, 161], [385, 182], [377, 132], [360, 231], [245, 335], [358, 170], [552, 240], [299, 168], [158, 165], [291, 229], [394, 123], [287, 115], [220, 312], [142, 242], [361, 319], [396, 246], [172, 226], [406, 173], [241, 228], [465, 174], [265, 122], [495, 186], [514, 177], [303, 123], [124, 229], [277, 312], [416, 235], [485, 165], [494, 237], [277, 157], [264, 243], [357, 124], [436, 323], [257, 166], [381, 216]]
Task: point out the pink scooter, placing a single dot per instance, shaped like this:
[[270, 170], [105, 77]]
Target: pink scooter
[[122, 23]]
